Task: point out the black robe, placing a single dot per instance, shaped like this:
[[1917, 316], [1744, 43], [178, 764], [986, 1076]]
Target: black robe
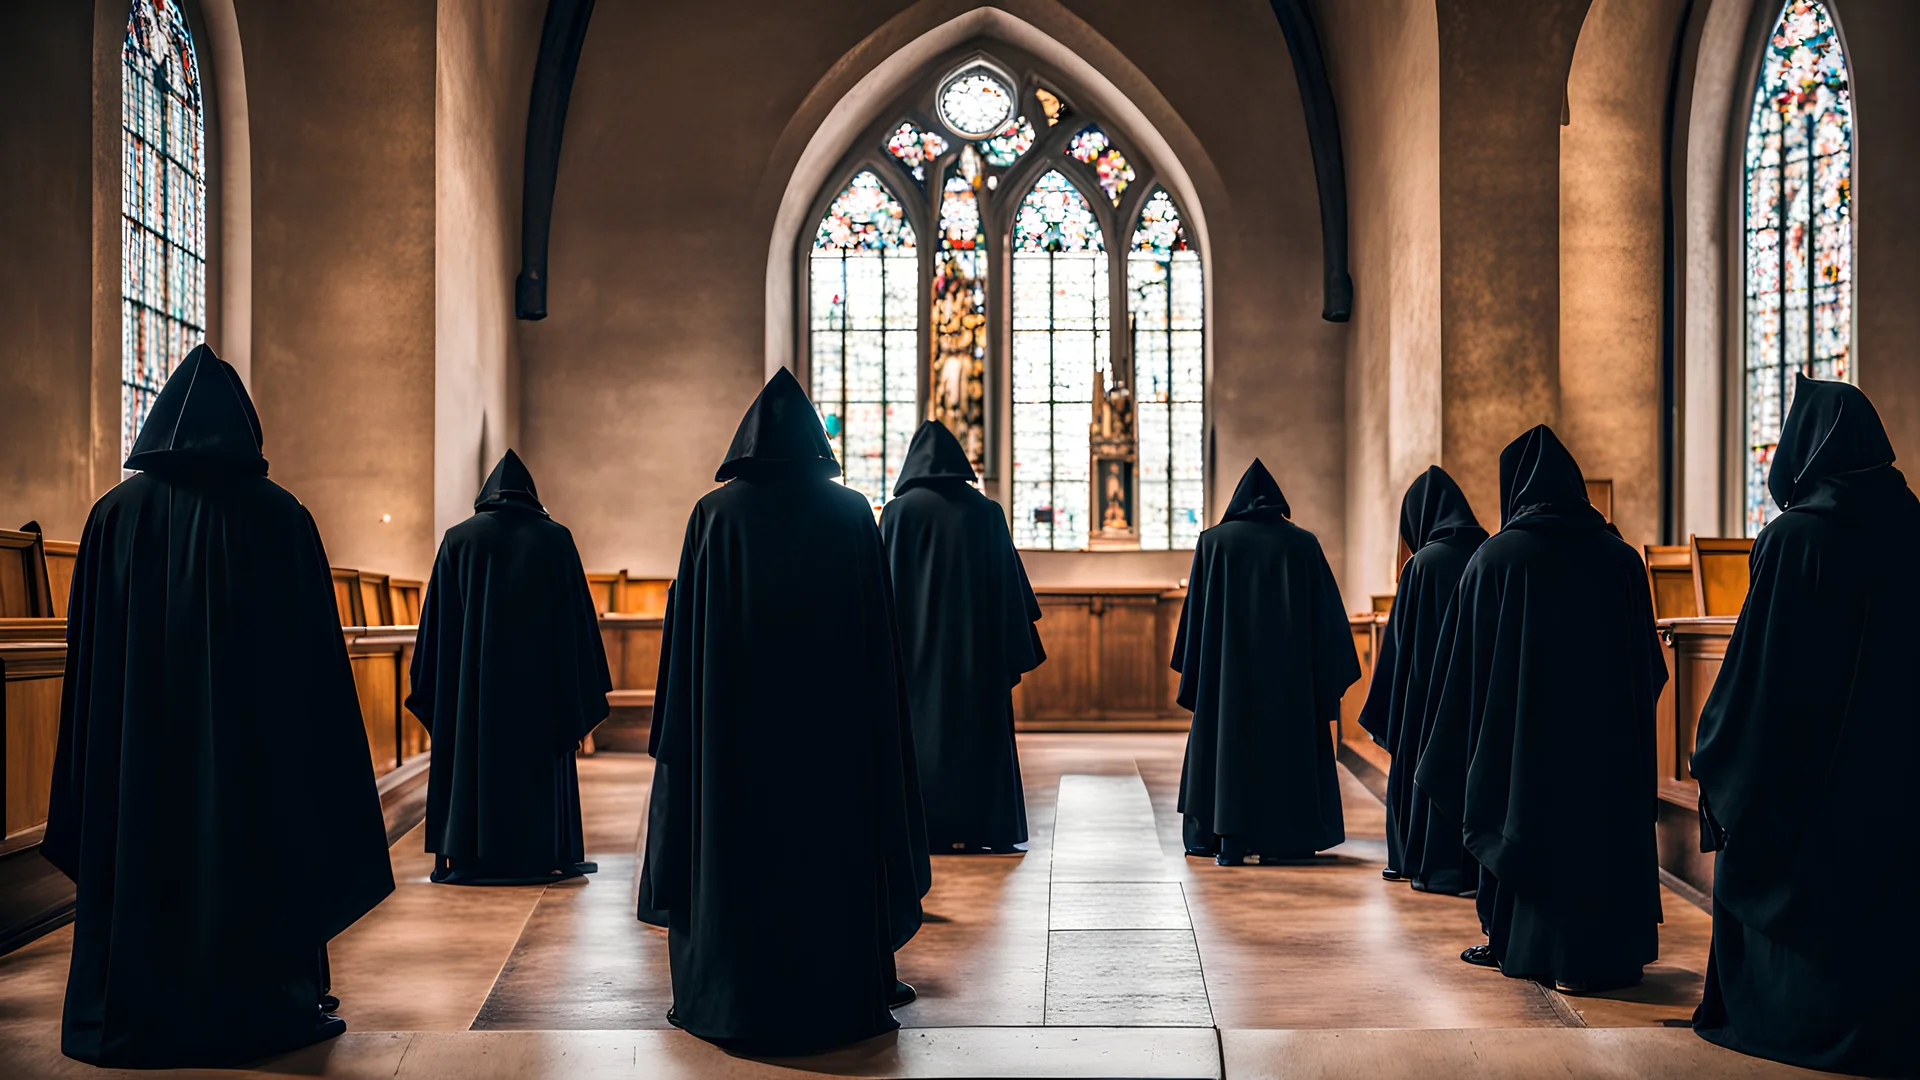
[[1804, 753], [967, 634], [1264, 655], [1440, 530], [509, 674], [213, 794], [1542, 741], [791, 856]]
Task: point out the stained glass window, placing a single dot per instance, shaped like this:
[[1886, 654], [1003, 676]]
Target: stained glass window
[[915, 149], [1166, 312], [957, 372], [1090, 146], [1799, 230], [1051, 104], [1060, 349], [975, 102], [163, 206], [1006, 147], [864, 316]]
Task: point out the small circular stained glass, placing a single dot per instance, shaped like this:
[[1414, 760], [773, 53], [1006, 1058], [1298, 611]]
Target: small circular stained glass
[[975, 102]]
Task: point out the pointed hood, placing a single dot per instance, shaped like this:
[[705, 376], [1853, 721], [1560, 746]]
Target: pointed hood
[[1832, 429], [509, 485], [1256, 492], [780, 427], [1539, 478], [934, 454], [203, 421], [1434, 509]]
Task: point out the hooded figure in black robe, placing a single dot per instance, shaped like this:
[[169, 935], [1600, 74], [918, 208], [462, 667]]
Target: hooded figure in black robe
[[509, 674], [1803, 753], [1264, 655], [1542, 740], [791, 855], [967, 634], [1440, 530], [213, 795]]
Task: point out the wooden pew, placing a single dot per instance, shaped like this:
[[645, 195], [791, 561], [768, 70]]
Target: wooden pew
[[1600, 494], [348, 598], [633, 659], [1355, 747], [644, 596], [403, 598], [62, 557], [1670, 576], [24, 591], [1720, 573], [1695, 649], [34, 897], [609, 590], [1105, 669]]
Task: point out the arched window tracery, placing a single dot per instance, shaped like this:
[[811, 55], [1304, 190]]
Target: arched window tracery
[[1043, 226], [163, 204], [1798, 211]]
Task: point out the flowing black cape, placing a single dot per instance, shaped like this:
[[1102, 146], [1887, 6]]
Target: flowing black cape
[[509, 674], [790, 855], [1440, 530], [1542, 739], [1264, 655], [213, 792], [967, 634], [1814, 938]]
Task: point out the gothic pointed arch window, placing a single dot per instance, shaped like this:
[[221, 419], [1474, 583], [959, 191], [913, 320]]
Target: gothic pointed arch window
[[1041, 224], [1799, 230], [163, 203]]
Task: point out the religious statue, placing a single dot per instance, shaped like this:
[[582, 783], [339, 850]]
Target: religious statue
[[1114, 452]]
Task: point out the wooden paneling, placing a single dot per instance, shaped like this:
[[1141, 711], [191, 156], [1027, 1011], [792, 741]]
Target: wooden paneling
[[608, 590], [1366, 628], [645, 596], [1061, 689], [1670, 575], [376, 682], [30, 714], [1126, 680], [1107, 661], [1600, 494], [23, 575], [1695, 651], [346, 597], [1720, 573], [62, 557], [403, 597], [1171, 605], [376, 603]]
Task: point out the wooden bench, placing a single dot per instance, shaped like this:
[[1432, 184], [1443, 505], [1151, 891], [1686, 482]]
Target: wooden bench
[[1720, 573], [25, 592]]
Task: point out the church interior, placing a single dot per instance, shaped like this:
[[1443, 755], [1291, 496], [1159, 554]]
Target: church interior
[[1122, 273]]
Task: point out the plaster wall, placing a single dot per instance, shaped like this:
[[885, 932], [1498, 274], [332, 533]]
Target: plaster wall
[[1612, 254], [655, 339], [46, 279], [1500, 228], [484, 73], [1385, 66], [341, 101]]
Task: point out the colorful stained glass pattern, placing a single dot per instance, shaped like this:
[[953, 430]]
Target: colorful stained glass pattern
[[1166, 311], [163, 206], [1799, 230], [975, 102], [1061, 345], [957, 370], [1091, 147], [1012, 141], [1050, 104], [864, 315], [915, 149]]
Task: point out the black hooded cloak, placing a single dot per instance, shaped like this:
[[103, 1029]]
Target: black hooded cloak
[[791, 855], [1800, 751], [967, 635], [1264, 656], [1440, 530], [509, 674], [213, 794], [1542, 740]]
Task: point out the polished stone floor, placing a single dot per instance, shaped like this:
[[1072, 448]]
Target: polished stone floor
[[1102, 951]]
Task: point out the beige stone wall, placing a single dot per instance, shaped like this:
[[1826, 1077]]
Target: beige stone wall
[[1384, 58], [485, 70], [341, 98], [46, 278]]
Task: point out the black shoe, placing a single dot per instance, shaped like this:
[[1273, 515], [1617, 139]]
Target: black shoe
[[1598, 986], [1479, 956], [673, 1018], [1224, 859], [1390, 874], [903, 994], [329, 1004]]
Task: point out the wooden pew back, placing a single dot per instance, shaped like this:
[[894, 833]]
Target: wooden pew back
[[1670, 575], [608, 590], [1600, 494], [24, 593], [1720, 573], [347, 598], [62, 557], [30, 716], [403, 598], [645, 596]]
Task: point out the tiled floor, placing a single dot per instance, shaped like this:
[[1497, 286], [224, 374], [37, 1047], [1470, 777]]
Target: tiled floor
[[1102, 951]]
